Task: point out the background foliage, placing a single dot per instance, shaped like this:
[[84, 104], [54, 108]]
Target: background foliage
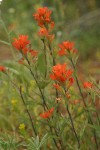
[[77, 20]]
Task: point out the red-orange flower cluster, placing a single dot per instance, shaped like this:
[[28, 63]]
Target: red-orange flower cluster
[[2, 68], [87, 85], [43, 32], [65, 47], [43, 16], [21, 43], [60, 73], [47, 114]]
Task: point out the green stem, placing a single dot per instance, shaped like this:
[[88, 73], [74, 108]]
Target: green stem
[[72, 124], [45, 57], [44, 102], [28, 112], [54, 139], [54, 63], [60, 141], [21, 95]]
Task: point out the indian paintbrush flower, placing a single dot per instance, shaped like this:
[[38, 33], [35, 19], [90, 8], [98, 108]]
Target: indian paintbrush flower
[[65, 47], [21, 43], [43, 16], [87, 85], [60, 73], [47, 114]]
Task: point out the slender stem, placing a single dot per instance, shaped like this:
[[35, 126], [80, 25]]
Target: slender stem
[[54, 63], [21, 95], [27, 111], [73, 126], [45, 57], [44, 102], [51, 54], [61, 144], [54, 140], [90, 119]]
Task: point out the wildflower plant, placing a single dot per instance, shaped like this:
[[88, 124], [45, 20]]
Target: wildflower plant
[[55, 102]]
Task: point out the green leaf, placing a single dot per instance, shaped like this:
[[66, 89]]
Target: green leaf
[[44, 83], [41, 64], [14, 71], [43, 140], [96, 127], [83, 129], [6, 43], [76, 58]]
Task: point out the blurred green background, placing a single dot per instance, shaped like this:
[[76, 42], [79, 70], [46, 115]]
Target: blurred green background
[[76, 20]]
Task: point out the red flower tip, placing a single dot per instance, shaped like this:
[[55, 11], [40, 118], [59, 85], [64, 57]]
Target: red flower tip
[[47, 114], [21, 42], [60, 73], [42, 16], [57, 86], [2, 68], [62, 52], [52, 24], [65, 47], [43, 32], [33, 53], [71, 81], [87, 85]]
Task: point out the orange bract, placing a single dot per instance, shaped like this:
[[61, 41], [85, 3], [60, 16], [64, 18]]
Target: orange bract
[[33, 53], [2, 68], [21, 42], [57, 86], [60, 73], [71, 81], [43, 16], [43, 32], [64, 47], [47, 114], [87, 85]]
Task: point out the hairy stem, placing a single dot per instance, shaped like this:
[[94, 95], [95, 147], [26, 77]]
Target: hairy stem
[[44, 102], [72, 124]]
